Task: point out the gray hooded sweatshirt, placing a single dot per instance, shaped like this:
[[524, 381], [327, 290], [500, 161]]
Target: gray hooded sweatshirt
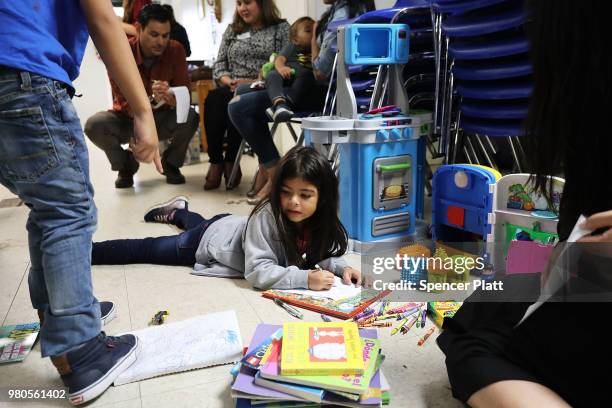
[[233, 248]]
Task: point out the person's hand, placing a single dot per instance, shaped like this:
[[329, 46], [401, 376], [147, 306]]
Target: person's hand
[[350, 275], [319, 279], [284, 71], [144, 142], [319, 75], [161, 92], [598, 221]]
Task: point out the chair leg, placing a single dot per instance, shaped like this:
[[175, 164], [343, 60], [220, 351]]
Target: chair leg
[[467, 155], [292, 131], [456, 142], [515, 155], [471, 146], [486, 154], [522, 154], [229, 184], [490, 143]]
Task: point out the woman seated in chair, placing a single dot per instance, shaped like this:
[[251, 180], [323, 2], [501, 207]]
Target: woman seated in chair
[[248, 109], [256, 32]]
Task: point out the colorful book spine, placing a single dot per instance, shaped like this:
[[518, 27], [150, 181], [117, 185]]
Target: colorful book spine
[[321, 348]]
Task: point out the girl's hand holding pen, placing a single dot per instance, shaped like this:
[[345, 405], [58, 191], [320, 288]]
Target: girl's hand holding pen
[[318, 279]]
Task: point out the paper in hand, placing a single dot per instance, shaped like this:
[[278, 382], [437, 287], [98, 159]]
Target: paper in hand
[[558, 270]]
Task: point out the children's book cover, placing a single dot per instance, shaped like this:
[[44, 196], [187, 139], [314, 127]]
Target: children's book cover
[[253, 358], [323, 348], [16, 341], [354, 384]]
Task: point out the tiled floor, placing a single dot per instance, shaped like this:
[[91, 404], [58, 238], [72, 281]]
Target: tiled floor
[[417, 374]]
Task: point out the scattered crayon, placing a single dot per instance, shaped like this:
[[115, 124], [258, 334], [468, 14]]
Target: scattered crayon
[[408, 326], [399, 326], [426, 336]]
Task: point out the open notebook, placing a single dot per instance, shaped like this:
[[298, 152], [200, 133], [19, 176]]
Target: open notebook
[[199, 342]]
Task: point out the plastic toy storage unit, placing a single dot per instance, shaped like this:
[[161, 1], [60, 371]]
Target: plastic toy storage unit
[[379, 170], [462, 204], [514, 203]]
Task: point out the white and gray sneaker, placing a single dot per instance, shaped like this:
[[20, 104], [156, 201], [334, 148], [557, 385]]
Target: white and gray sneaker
[[280, 113], [164, 212]]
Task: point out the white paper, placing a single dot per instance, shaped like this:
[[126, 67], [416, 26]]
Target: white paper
[[559, 272], [183, 102], [338, 291], [199, 342]]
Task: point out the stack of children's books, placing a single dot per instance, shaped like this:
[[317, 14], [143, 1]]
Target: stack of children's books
[[303, 364]]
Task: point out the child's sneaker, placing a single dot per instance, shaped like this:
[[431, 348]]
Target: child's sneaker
[[282, 113], [107, 313], [165, 211], [89, 370]]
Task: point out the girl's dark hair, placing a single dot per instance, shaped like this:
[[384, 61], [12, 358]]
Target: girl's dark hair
[[567, 124], [355, 8], [326, 235], [269, 16]]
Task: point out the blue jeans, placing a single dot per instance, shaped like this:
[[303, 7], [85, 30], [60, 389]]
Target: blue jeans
[[44, 160], [248, 114], [170, 250]]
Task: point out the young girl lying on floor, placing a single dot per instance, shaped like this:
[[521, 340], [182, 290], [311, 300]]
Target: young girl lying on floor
[[278, 246]]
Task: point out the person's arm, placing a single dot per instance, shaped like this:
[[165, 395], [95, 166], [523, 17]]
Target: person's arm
[[281, 68], [128, 28], [221, 69], [323, 61], [113, 47], [262, 264]]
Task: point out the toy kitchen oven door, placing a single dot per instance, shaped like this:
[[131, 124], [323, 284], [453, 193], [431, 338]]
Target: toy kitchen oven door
[[378, 199], [392, 179]]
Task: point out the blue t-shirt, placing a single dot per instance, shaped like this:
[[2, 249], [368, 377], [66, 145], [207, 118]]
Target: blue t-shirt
[[45, 37]]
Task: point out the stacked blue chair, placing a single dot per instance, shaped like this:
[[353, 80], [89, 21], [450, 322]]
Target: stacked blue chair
[[490, 72]]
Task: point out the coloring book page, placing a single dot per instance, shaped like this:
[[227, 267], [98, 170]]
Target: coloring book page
[[199, 342], [338, 291]]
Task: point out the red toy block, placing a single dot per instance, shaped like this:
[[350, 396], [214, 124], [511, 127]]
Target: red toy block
[[455, 215]]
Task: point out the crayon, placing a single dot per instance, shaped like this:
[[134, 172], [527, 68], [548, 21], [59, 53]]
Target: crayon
[[409, 325], [426, 336], [399, 326]]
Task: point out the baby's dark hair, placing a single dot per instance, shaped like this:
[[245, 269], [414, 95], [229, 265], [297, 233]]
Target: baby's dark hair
[[328, 237], [296, 25]]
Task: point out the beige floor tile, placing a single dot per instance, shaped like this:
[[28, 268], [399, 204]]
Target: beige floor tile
[[209, 395]]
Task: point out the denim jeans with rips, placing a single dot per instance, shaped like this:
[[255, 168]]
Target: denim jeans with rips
[[44, 160]]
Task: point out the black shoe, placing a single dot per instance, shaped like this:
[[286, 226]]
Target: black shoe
[[107, 313], [172, 173], [89, 370], [163, 212], [125, 178]]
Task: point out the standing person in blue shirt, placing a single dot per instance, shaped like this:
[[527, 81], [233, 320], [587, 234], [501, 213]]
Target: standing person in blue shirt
[[43, 159]]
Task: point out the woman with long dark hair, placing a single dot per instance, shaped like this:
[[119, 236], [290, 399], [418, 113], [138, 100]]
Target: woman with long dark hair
[[550, 358], [256, 32]]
